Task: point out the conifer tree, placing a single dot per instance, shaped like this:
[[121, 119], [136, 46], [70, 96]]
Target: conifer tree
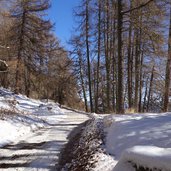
[[30, 31]]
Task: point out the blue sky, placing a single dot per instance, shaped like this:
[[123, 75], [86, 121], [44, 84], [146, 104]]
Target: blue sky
[[61, 13]]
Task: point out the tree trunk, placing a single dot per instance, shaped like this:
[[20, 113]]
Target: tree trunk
[[141, 83], [137, 65], [120, 107], [145, 95], [98, 57], [150, 88], [27, 81], [88, 55], [107, 58], [168, 74], [19, 55], [129, 80], [114, 68]]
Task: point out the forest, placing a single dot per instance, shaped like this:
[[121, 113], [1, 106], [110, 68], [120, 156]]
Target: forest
[[118, 60]]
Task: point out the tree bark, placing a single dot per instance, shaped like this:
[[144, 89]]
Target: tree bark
[[168, 74], [88, 55], [120, 105], [19, 62], [129, 71], [150, 88], [107, 58], [141, 82], [98, 56], [145, 95]]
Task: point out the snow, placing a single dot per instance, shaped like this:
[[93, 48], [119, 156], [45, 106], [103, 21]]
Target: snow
[[104, 162], [131, 139], [147, 156], [30, 115], [144, 129], [143, 139], [18, 118], [32, 132]]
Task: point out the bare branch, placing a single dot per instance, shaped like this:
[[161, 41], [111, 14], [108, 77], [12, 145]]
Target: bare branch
[[136, 8]]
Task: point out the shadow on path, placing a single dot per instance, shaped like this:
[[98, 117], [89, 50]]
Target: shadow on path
[[25, 158]]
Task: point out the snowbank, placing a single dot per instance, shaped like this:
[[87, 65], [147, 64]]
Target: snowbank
[[20, 115], [144, 129], [150, 157], [143, 139], [12, 128]]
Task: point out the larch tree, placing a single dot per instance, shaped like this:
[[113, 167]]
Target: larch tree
[[79, 66], [83, 16], [30, 32]]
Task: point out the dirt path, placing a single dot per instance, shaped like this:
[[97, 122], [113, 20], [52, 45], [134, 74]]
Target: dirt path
[[40, 150]]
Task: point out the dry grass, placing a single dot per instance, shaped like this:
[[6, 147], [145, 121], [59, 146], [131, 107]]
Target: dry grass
[[7, 112], [11, 110], [130, 111]]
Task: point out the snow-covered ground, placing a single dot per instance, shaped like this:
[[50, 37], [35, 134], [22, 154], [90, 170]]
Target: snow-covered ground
[[21, 115], [32, 132], [151, 157], [137, 140]]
